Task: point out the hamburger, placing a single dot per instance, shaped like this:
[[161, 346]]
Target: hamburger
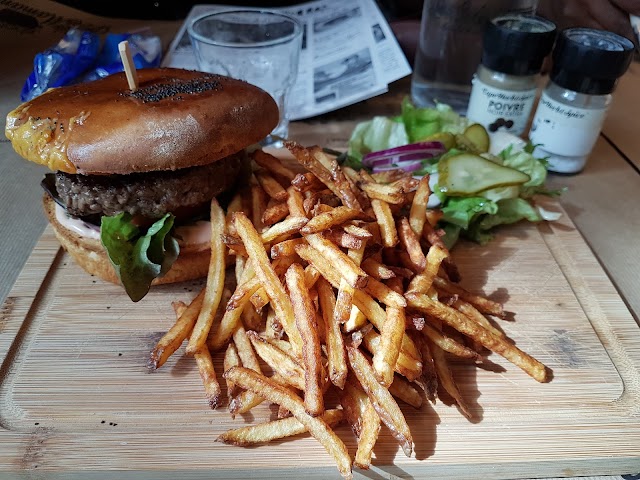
[[134, 172]]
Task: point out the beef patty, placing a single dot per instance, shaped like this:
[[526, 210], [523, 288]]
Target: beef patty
[[148, 194]]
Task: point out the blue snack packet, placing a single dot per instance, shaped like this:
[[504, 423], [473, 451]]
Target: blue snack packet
[[146, 51], [62, 64]]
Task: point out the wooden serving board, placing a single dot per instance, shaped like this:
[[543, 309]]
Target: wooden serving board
[[76, 399]]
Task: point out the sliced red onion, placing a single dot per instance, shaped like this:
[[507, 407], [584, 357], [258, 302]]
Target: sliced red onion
[[406, 166], [397, 159], [421, 149]]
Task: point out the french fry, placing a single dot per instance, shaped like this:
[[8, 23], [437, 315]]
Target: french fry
[[357, 320], [273, 164], [286, 248], [385, 193], [343, 239], [406, 365], [346, 267], [303, 182], [258, 204], [274, 430], [332, 177], [382, 400], [287, 227], [235, 205], [215, 282], [407, 184], [356, 231], [364, 419], [307, 326], [231, 359], [422, 282], [271, 186], [384, 217], [411, 243], [248, 360], [234, 244], [446, 380], [351, 174], [172, 340], [377, 317], [205, 366], [433, 237], [481, 303], [384, 294], [295, 203], [245, 350], [324, 221], [273, 392], [448, 344], [344, 301], [311, 276], [474, 314], [389, 176], [281, 344], [273, 328], [268, 279], [418, 212], [336, 354], [353, 401], [233, 313], [434, 216], [179, 307], [403, 390], [377, 270], [280, 362], [259, 299], [429, 378], [470, 328], [208, 375], [274, 213], [385, 358], [246, 399]]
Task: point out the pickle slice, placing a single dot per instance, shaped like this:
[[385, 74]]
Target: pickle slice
[[467, 174], [478, 137], [447, 139]]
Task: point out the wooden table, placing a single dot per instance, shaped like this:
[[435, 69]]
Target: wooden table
[[603, 202]]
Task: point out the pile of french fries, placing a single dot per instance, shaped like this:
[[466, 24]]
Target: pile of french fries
[[342, 282]]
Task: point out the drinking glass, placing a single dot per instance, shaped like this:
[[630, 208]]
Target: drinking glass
[[450, 48], [257, 46]]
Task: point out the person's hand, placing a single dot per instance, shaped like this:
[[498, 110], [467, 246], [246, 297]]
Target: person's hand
[[612, 15]]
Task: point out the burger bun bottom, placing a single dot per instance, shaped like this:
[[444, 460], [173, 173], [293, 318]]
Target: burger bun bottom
[[89, 253]]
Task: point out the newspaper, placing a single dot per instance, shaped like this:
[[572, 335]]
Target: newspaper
[[349, 54]]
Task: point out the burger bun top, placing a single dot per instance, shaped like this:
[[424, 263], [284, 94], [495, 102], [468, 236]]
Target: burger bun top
[[176, 119]]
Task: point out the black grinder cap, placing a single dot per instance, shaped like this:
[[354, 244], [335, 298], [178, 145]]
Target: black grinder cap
[[517, 44], [590, 61]]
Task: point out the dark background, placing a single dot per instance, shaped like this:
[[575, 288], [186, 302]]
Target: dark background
[[176, 9]]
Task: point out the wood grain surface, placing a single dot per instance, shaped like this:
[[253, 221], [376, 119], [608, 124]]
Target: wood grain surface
[[621, 125], [76, 397]]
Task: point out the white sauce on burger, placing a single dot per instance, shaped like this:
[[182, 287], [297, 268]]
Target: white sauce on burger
[[196, 234]]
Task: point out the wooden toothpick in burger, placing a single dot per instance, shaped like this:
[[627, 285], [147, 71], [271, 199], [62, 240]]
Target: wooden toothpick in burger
[[129, 67]]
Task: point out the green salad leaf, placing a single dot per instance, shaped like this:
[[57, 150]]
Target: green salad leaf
[[421, 123], [377, 134], [461, 211], [139, 256]]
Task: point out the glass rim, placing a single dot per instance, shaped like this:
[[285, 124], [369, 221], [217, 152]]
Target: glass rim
[[298, 28]]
